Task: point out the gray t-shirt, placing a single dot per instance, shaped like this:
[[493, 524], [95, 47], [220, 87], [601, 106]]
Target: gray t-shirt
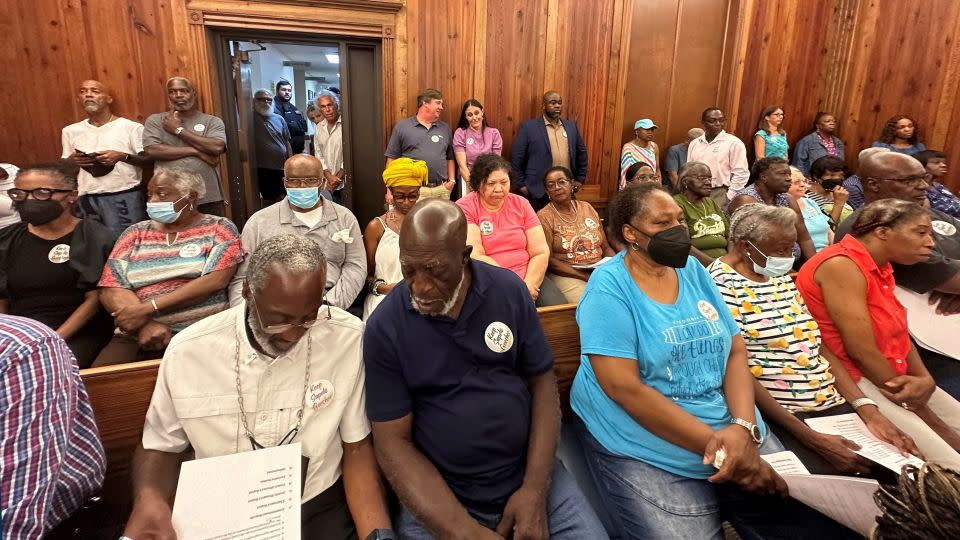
[[944, 261], [201, 124], [411, 139], [271, 135], [676, 158]]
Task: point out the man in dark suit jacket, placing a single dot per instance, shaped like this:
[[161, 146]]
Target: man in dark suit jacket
[[543, 143]]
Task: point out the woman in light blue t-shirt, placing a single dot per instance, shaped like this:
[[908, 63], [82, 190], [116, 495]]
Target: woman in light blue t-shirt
[[770, 140], [664, 384]]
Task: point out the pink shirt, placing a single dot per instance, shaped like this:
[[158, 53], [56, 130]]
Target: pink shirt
[[474, 143], [727, 158], [504, 232]]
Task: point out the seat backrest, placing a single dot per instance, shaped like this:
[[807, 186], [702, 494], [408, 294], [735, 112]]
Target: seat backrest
[[120, 395], [560, 325]]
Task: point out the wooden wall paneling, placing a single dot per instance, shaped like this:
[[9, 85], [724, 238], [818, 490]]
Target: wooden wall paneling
[[514, 60], [616, 88]]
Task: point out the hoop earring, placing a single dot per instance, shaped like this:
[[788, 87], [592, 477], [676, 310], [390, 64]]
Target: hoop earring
[[634, 246]]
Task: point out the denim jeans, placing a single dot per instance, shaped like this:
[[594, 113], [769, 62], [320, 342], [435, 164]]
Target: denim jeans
[[116, 211], [569, 515], [652, 503]]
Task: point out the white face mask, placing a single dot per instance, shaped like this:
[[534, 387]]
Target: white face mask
[[775, 267]]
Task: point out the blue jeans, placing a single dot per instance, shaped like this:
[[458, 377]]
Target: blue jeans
[[653, 503], [116, 211], [569, 514]]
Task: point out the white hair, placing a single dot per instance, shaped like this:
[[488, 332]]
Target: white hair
[[292, 252], [328, 94], [753, 222], [185, 181]]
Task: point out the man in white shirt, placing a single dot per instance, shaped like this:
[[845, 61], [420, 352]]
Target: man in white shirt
[[328, 143], [304, 212], [724, 153], [107, 149], [297, 364]]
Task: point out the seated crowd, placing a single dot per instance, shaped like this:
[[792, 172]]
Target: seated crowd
[[719, 305]]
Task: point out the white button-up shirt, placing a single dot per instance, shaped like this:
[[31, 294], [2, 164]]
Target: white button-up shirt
[[727, 158], [328, 145], [195, 400]]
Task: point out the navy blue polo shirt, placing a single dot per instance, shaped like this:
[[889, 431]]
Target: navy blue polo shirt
[[464, 381]]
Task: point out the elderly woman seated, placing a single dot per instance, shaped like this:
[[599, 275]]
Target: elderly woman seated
[[381, 239], [51, 262], [504, 230], [705, 220], [814, 219], [574, 234], [792, 376], [664, 385], [849, 287], [169, 271]]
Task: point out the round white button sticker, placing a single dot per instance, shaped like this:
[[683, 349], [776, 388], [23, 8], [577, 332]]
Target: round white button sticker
[[944, 228], [59, 254], [470, 140], [707, 310], [589, 222], [498, 337], [320, 394], [486, 228], [564, 134], [189, 251], [435, 138], [199, 127]]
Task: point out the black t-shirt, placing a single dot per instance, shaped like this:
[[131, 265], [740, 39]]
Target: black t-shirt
[[943, 264], [41, 284], [464, 382]]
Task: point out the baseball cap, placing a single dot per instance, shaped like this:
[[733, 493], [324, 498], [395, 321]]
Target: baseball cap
[[644, 123]]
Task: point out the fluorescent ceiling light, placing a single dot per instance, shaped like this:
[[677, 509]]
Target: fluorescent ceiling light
[[333, 58]]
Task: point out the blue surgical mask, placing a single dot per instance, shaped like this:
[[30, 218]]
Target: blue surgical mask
[[775, 267], [305, 198], [163, 212]]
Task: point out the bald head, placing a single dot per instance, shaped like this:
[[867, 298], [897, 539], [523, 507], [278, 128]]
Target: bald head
[[302, 166], [435, 224], [892, 175], [94, 97], [552, 104]]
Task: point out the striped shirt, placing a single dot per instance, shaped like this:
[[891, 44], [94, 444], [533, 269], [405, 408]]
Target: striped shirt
[[52, 459], [145, 263], [783, 340]]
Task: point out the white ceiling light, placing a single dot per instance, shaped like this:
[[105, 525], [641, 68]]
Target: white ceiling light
[[333, 58]]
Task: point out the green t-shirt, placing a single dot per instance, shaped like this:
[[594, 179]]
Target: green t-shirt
[[707, 224]]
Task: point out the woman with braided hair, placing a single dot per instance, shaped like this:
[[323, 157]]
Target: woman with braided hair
[[849, 289], [925, 503]]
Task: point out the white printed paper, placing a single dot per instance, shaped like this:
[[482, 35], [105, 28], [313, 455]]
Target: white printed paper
[[245, 496], [845, 499], [597, 264], [937, 333], [785, 462], [872, 448]]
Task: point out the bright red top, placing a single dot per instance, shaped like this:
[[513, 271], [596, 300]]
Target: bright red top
[[888, 318]]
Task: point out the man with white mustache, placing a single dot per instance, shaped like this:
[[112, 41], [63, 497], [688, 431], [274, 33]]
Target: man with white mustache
[[107, 148], [272, 142]]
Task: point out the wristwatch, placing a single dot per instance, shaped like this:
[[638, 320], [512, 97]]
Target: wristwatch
[[752, 428], [381, 534], [178, 131]]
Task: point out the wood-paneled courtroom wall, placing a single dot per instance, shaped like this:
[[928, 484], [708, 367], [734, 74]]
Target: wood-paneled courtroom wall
[[613, 61]]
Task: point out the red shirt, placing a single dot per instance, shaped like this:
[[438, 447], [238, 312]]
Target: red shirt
[[888, 318]]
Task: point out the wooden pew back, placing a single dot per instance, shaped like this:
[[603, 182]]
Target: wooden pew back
[[563, 335]]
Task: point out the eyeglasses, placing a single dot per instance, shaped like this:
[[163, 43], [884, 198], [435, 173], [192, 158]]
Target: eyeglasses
[[916, 180], [264, 99], [698, 177], [313, 181], [563, 182], [645, 178], [40, 194], [715, 120], [281, 328], [411, 197]]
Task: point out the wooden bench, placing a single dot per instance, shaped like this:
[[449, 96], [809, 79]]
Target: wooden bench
[[121, 394]]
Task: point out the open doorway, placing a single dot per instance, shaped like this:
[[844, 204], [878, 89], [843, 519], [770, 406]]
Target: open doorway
[[348, 69]]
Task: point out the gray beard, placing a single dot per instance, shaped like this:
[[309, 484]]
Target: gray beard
[[447, 306], [90, 108], [262, 111], [262, 338]]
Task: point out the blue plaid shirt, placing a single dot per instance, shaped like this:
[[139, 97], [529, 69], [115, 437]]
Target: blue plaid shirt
[[943, 200], [52, 459]]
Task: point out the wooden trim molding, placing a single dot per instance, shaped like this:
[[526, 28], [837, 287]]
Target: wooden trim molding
[[261, 21], [380, 6]]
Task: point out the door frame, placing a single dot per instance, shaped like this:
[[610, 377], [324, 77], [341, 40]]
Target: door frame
[[315, 21]]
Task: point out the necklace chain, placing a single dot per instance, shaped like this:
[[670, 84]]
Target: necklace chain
[[576, 212], [303, 399]]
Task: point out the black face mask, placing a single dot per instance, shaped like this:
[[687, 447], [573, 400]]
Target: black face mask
[[38, 212], [669, 247]]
